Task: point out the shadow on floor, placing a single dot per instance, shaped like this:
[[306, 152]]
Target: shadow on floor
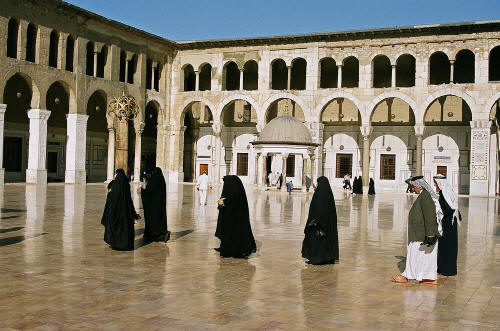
[[179, 234], [17, 239], [401, 263], [11, 229], [9, 210]]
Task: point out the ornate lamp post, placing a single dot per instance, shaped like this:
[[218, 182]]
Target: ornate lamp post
[[122, 109]]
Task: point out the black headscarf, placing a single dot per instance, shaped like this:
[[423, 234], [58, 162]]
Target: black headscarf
[[371, 187], [154, 202], [233, 223], [118, 215], [322, 210]]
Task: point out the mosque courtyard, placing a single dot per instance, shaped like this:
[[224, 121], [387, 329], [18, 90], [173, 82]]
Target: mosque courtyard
[[56, 272]]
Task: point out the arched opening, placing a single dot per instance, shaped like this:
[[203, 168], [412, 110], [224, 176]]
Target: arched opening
[[123, 66], [132, 68], [70, 53], [251, 76], [284, 107], [463, 70], [298, 74], [198, 120], [405, 71], [392, 112], [205, 77], [53, 48], [382, 71], [494, 65], [17, 95], [448, 119], [279, 75], [148, 148], [350, 72], [149, 73], [90, 59], [102, 57], [97, 137], [231, 77], [57, 101], [439, 69], [189, 78], [328, 73], [31, 41], [340, 112], [12, 36], [156, 81], [239, 113]]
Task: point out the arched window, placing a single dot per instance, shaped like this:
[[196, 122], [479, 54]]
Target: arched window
[[132, 67], [405, 71], [12, 38], [251, 76], [31, 36], [54, 48], [205, 78], [156, 81], [102, 57], [189, 78], [70, 52], [463, 70], [279, 75], [123, 66], [149, 73], [494, 65], [328, 73], [439, 69], [298, 75], [231, 77], [90, 59], [382, 71], [350, 72]]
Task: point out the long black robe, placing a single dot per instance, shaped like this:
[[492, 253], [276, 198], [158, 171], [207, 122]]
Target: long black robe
[[233, 223], [448, 242], [154, 203], [371, 187], [322, 210], [118, 215]]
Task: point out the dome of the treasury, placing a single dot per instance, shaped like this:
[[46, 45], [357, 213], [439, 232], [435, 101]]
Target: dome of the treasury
[[285, 130]]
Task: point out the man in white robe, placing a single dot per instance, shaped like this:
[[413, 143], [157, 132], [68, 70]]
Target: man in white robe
[[202, 186]]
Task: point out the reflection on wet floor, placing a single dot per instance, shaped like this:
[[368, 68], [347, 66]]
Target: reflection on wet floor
[[51, 248]]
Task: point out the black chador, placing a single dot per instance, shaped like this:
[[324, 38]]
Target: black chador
[[119, 213], [371, 187], [233, 224], [321, 241], [154, 202]]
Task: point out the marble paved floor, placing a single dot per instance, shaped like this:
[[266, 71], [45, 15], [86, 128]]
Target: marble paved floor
[[56, 273]]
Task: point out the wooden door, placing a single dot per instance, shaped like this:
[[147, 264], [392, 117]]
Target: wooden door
[[203, 167]]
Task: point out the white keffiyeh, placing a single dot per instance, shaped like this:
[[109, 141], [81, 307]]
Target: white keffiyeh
[[422, 184], [449, 195]]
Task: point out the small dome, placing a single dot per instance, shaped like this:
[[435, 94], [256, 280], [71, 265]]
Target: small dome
[[285, 129]]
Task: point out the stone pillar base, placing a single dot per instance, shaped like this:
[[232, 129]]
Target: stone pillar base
[[75, 177], [36, 176], [2, 176]]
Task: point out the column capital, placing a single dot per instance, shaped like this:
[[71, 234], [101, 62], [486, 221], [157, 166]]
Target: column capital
[[452, 62], [366, 130], [39, 114], [419, 129], [139, 127], [284, 155], [217, 128], [260, 127], [111, 129], [3, 107], [480, 124], [80, 118], [340, 65]]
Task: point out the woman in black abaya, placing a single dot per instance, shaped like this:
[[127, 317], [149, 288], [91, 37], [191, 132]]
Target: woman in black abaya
[[371, 187], [233, 223], [321, 241], [119, 213], [154, 202]]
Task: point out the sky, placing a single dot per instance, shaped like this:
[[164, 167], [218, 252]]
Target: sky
[[183, 20]]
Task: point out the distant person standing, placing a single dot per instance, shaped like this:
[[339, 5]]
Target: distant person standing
[[280, 181], [270, 179], [308, 183], [371, 187], [202, 186]]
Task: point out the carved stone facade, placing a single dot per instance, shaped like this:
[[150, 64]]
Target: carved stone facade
[[400, 101]]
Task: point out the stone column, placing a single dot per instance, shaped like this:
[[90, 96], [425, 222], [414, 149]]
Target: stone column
[[304, 171], [339, 75], [37, 171], [153, 75], [419, 133], [217, 128], [393, 77], [312, 157], [95, 64], [260, 161], [121, 145], [76, 149], [452, 66], [263, 169], [316, 130], [479, 158], [241, 80], [289, 79], [228, 158], [139, 128], [111, 154], [365, 131], [197, 80], [283, 170], [3, 108]]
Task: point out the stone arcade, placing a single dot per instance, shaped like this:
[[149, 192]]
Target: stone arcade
[[383, 103]]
